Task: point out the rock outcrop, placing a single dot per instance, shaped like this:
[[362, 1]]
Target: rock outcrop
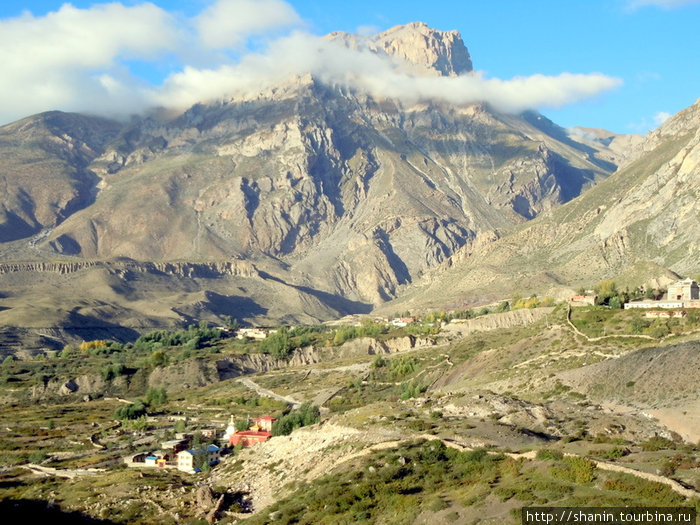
[[417, 47], [309, 192]]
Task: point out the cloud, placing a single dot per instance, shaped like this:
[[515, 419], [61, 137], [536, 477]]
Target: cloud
[[366, 71], [664, 4], [81, 60], [661, 117], [59, 60], [647, 124], [228, 23]]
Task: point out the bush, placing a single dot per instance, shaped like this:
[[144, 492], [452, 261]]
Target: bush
[[576, 470], [306, 414], [547, 454], [658, 443], [402, 366], [109, 372], [156, 396], [378, 362], [132, 411], [412, 389], [158, 358]]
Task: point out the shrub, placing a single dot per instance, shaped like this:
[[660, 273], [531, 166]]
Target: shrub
[[576, 470], [658, 443], [109, 372], [547, 454], [156, 396], [131, 411], [378, 362], [402, 366], [412, 389], [306, 414]]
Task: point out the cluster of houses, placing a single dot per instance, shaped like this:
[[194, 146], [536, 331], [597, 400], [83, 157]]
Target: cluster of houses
[[403, 321], [180, 454], [681, 294]]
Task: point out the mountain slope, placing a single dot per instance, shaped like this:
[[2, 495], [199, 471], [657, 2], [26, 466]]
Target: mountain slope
[[44, 176], [322, 188], [646, 212]]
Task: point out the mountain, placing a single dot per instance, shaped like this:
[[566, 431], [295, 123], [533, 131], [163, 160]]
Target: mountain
[[636, 224], [333, 200], [45, 176], [419, 49]]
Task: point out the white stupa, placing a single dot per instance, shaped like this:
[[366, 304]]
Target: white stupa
[[230, 429]]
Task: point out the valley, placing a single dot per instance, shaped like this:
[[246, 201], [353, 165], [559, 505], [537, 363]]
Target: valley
[[522, 405], [379, 288]]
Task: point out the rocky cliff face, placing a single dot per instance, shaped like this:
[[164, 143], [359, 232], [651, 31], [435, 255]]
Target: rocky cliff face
[[334, 196], [44, 176], [362, 196], [641, 219], [418, 48]]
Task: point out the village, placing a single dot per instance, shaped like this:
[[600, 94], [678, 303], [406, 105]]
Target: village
[[681, 294], [182, 453], [192, 453]]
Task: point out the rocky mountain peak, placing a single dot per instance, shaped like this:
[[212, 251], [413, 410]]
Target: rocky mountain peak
[[418, 48]]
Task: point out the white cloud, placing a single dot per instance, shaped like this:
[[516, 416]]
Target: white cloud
[[228, 23], [301, 53], [664, 4], [647, 124], [56, 61], [661, 117], [78, 60]]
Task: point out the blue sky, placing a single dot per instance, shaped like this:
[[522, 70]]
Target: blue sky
[[129, 55]]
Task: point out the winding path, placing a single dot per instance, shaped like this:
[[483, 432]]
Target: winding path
[[268, 393]]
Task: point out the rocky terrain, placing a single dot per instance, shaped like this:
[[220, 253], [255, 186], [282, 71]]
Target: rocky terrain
[[307, 202], [641, 220], [521, 391]]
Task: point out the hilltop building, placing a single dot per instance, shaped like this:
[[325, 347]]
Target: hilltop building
[[685, 290], [681, 294], [583, 300]]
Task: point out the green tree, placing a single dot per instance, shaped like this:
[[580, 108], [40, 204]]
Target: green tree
[[131, 411], [158, 358], [278, 344], [306, 414], [231, 323], [156, 396], [605, 290], [503, 306]]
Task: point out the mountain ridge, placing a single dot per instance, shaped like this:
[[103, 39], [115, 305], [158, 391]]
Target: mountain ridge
[[341, 201]]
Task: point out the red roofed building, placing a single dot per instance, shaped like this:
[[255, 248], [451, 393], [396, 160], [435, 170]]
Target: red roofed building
[[261, 431], [248, 438]]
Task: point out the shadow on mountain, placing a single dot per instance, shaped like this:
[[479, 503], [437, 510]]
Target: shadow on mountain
[[90, 329], [571, 180], [14, 228], [342, 305], [65, 245], [403, 275], [38, 511], [236, 306], [550, 128]]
